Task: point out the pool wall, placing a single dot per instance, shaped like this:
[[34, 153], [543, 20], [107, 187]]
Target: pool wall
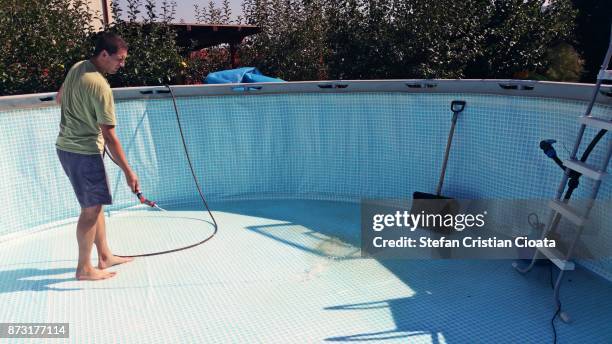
[[300, 140]]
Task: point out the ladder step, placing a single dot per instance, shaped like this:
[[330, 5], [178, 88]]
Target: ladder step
[[596, 122], [557, 258], [585, 169], [605, 75], [567, 212]]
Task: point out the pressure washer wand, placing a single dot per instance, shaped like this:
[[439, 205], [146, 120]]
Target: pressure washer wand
[[151, 204]]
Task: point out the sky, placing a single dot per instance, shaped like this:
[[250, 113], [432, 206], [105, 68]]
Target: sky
[[185, 9]]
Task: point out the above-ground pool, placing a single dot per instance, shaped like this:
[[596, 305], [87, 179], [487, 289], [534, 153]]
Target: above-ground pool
[[284, 168]]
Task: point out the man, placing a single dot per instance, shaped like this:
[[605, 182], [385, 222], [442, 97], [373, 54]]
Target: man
[[87, 124]]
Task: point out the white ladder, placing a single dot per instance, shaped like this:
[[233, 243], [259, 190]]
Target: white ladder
[[560, 208]]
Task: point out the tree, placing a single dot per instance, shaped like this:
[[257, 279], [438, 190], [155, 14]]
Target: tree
[[291, 44], [593, 22], [39, 41], [565, 63], [313, 39], [520, 32], [209, 59], [439, 39], [372, 39], [154, 57], [360, 39]]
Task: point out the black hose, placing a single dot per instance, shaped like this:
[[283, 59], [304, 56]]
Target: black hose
[[592, 145], [573, 182], [197, 184], [557, 312], [574, 177]]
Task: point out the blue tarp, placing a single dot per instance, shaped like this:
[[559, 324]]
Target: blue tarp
[[240, 75]]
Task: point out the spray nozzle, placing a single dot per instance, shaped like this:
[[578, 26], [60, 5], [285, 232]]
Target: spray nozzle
[[143, 200], [547, 147]]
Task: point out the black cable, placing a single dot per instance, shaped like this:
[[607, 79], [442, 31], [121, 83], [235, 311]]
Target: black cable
[[572, 184], [195, 179], [594, 142], [574, 177], [535, 223], [552, 321]]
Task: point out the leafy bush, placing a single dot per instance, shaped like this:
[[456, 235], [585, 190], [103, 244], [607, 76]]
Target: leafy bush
[[437, 39], [519, 34], [291, 44], [368, 39], [39, 41], [205, 61], [299, 40], [592, 34], [154, 57], [211, 59], [360, 36], [564, 63]]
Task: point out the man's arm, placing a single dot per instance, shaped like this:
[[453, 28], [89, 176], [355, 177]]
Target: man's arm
[[58, 97], [116, 151]]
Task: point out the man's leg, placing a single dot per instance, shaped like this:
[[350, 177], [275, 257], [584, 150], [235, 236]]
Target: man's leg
[[105, 256], [86, 233]]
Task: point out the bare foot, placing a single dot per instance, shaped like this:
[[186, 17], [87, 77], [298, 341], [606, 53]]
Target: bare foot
[[93, 274], [112, 261]]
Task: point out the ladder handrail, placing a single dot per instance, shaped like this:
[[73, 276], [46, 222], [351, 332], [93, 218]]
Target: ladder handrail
[[557, 208]]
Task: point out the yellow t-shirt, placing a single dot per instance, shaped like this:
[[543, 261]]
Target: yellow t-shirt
[[87, 102]]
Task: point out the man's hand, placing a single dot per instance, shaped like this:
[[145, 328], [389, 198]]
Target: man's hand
[[132, 181]]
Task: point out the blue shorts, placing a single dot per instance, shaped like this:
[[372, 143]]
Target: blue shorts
[[87, 176]]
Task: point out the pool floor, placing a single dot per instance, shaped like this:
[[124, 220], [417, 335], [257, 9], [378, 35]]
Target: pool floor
[[281, 271]]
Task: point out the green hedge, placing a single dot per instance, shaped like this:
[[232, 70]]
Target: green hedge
[[39, 40], [300, 40], [372, 39]]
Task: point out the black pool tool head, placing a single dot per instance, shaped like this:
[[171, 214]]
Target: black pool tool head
[[423, 202], [457, 105], [547, 147]]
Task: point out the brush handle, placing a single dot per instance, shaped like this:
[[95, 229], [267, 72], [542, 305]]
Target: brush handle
[[456, 106]]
